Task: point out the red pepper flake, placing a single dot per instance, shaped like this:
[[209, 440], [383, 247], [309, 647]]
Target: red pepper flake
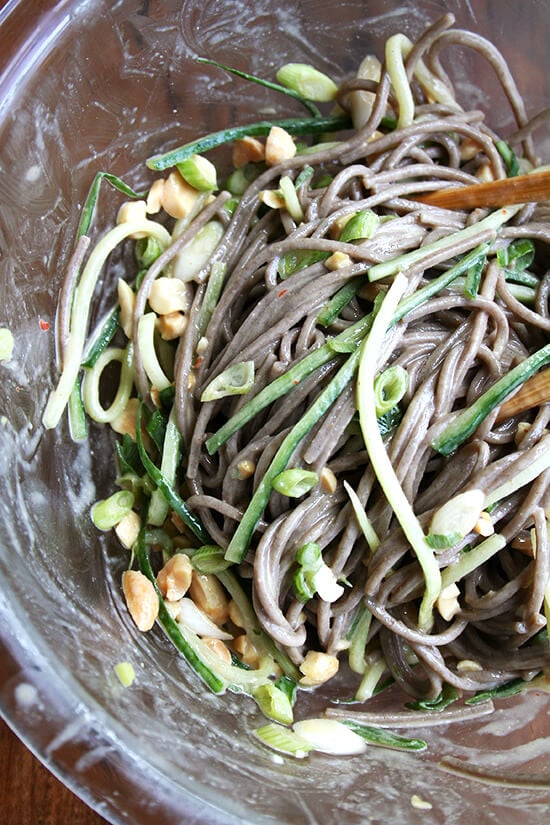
[[44, 325], [198, 361], [281, 293]]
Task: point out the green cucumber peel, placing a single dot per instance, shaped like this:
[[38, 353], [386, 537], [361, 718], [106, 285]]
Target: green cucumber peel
[[466, 422], [268, 84], [174, 499], [294, 126], [385, 738]]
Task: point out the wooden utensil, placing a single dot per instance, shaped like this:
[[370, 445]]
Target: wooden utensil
[[505, 192], [535, 391]]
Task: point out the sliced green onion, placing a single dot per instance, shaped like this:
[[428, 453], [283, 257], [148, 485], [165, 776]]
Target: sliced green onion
[[389, 421], [292, 262], [7, 342], [106, 513], [209, 559], [466, 422], [361, 226], [290, 197], [389, 388], [147, 251], [194, 257], [455, 519], [240, 179], [125, 673], [295, 482], [330, 736], [199, 172], [274, 703], [380, 461], [294, 126], [283, 740], [308, 82], [517, 256], [238, 379]]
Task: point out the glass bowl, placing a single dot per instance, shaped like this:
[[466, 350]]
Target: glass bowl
[[89, 85]]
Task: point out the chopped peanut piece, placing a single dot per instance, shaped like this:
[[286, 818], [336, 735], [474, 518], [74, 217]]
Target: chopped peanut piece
[[126, 422], [154, 197], [210, 597], [318, 667], [175, 577], [468, 666], [338, 260], [279, 146], [130, 212], [219, 648], [271, 198], [469, 149], [127, 301], [328, 480], [127, 529], [338, 225], [247, 150], [246, 651], [172, 325], [484, 525], [169, 295], [245, 469], [202, 346], [141, 599], [235, 614], [447, 603], [178, 197], [485, 173]]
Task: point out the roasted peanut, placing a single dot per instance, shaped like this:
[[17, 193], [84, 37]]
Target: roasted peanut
[[175, 577], [246, 651], [318, 667], [210, 597], [141, 599], [219, 648]]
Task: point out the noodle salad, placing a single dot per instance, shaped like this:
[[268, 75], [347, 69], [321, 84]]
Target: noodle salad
[[331, 405]]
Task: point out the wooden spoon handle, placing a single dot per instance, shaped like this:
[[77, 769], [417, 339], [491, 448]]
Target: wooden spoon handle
[[535, 391], [505, 192]]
